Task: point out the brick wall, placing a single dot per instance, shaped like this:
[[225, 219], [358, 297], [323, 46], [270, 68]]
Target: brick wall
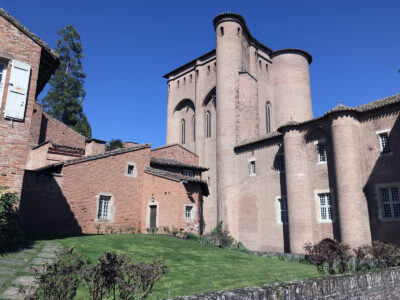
[[66, 200], [176, 151], [14, 136], [45, 128], [381, 284]]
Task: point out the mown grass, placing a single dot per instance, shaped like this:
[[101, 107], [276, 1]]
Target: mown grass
[[191, 264]]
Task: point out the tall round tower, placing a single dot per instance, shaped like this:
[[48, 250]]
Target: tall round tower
[[291, 82], [229, 55]]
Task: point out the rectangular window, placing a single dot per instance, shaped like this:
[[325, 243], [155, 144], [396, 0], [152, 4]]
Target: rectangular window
[[104, 208], [189, 173], [325, 206], [283, 210], [385, 145], [130, 170], [189, 213], [321, 152], [390, 202], [253, 168]]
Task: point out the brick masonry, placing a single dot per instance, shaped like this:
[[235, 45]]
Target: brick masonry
[[381, 284]]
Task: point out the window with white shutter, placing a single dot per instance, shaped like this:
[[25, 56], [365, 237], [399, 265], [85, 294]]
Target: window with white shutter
[[17, 90], [3, 73]]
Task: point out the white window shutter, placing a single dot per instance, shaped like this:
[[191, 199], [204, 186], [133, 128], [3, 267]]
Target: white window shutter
[[17, 90]]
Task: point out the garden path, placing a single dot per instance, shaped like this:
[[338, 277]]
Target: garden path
[[16, 269]]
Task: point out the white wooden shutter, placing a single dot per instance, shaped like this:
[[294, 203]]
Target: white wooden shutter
[[17, 90]]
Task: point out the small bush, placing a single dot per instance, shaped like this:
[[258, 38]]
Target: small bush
[[174, 231], [131, 229], [10, 228], [378, 255], [61, 279], [330, 257], [113, 277]]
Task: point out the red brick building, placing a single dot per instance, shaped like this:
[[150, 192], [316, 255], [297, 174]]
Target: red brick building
[[72, 185]]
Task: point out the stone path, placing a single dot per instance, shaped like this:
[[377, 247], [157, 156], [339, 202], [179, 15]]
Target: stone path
[[16, 269]]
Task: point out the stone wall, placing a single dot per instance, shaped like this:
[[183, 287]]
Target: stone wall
[[381, 284]]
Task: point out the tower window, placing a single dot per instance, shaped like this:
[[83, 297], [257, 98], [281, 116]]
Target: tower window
[[184, 80], [321, 148], [183, 132], [283, 209], [222, 30], [208, 124], [325, 207], [178, 84], [190, 78], [390, 202], [268, 117], [208, 69], [197, 73], [253, 168], [385, 145], [238, 31]]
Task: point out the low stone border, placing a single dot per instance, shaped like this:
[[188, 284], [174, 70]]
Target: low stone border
[[382, 284]]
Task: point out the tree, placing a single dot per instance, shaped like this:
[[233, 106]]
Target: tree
[[65, 97], [114, 144]]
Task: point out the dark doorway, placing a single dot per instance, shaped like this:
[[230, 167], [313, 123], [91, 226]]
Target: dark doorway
[[153, 216]]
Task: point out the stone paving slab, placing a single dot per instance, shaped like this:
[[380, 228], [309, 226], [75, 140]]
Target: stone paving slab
[[41, 261], [30, 269], [24, 280], [12, 262], [11, 293], [47, 255], [9, 270]]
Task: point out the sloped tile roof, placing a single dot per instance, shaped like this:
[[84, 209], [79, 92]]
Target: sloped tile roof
[[161, 161], [178, 177]]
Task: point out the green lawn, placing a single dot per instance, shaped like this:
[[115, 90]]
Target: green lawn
[[191, 264]]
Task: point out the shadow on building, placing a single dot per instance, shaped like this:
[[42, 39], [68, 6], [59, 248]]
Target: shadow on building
[[43, 207], [385, 174]]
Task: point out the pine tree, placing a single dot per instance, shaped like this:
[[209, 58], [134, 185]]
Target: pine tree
[[65, 97], [114, 144]]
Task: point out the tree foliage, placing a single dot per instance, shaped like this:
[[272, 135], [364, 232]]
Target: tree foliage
[[114, 144], [10, 230], [65, 97]]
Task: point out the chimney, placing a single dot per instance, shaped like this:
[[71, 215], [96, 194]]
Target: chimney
[[95, 146], [130, 144]]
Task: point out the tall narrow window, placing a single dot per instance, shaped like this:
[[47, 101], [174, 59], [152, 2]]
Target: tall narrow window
[[325, 206], [222, 30], [183, 132], [194, 128], [253, 167], [321, 148], [390, 202], [268, 117], [385, 145], [104, 211], [208, 124], [283, 210]]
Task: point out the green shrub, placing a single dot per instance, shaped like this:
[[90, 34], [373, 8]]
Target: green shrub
[[378, 255], [10, 228]]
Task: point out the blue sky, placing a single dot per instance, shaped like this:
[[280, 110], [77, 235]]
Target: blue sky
[[129, 45]]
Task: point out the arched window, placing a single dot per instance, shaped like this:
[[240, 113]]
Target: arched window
[[268, 117], [183, 131], [208, 124], [194, 128]]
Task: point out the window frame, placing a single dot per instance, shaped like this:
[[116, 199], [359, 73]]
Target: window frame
[[133, 164], [268, 117], [252, 166], [328, 207], [384, 132], [187, 172], [321, 143], [379, 200], [110, 207], [208, 124], [192, 213], [183, 132], [6, 63], [281, 212]]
